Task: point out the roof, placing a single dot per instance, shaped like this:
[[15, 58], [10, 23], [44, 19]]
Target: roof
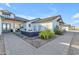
[[20, 18], [6, 11], [16, 18], [38, 20]]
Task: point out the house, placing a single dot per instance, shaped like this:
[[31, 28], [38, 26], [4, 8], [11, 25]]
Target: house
[[9, 21], [38, 24], [68, 27]]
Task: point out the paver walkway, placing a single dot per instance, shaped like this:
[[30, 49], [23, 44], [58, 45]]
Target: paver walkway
[[16, 46], [74, 47]]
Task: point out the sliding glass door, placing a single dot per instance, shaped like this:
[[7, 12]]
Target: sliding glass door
[[6, 27]]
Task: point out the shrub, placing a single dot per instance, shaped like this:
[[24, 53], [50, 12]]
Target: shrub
[[58, 31], [46, 34]]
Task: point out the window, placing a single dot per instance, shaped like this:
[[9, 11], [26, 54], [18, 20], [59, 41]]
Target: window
[[39, 28], [29, 25], [34, 28]]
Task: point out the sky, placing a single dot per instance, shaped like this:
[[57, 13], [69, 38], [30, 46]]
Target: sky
[[68, 11]]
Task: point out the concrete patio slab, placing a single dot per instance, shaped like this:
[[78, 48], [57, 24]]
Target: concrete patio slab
[[59, 46], [74, 47], [2, 46], [16, 46]]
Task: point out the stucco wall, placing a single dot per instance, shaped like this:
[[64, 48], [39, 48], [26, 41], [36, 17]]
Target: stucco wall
[[27, 26], [47, 25], [54, 24], [41, 26]]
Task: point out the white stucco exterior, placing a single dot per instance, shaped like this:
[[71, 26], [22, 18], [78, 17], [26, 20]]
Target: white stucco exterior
[[35, 27], [66, 28]]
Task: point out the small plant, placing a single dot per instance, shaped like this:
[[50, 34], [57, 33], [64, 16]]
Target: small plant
[[58, 31], [46, 34]]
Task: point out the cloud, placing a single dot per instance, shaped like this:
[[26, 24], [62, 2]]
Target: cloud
[[1, 8], [27, 17], [75, 22], [54, 10], [76, 19], [8, 4], [76, 15]]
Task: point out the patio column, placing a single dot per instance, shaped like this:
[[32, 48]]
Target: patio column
[[0, 26], [14, 27]]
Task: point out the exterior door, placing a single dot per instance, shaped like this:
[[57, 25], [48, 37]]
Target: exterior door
[[6, 27]]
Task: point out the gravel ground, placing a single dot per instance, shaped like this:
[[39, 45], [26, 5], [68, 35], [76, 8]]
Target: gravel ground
[[37, 42]]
